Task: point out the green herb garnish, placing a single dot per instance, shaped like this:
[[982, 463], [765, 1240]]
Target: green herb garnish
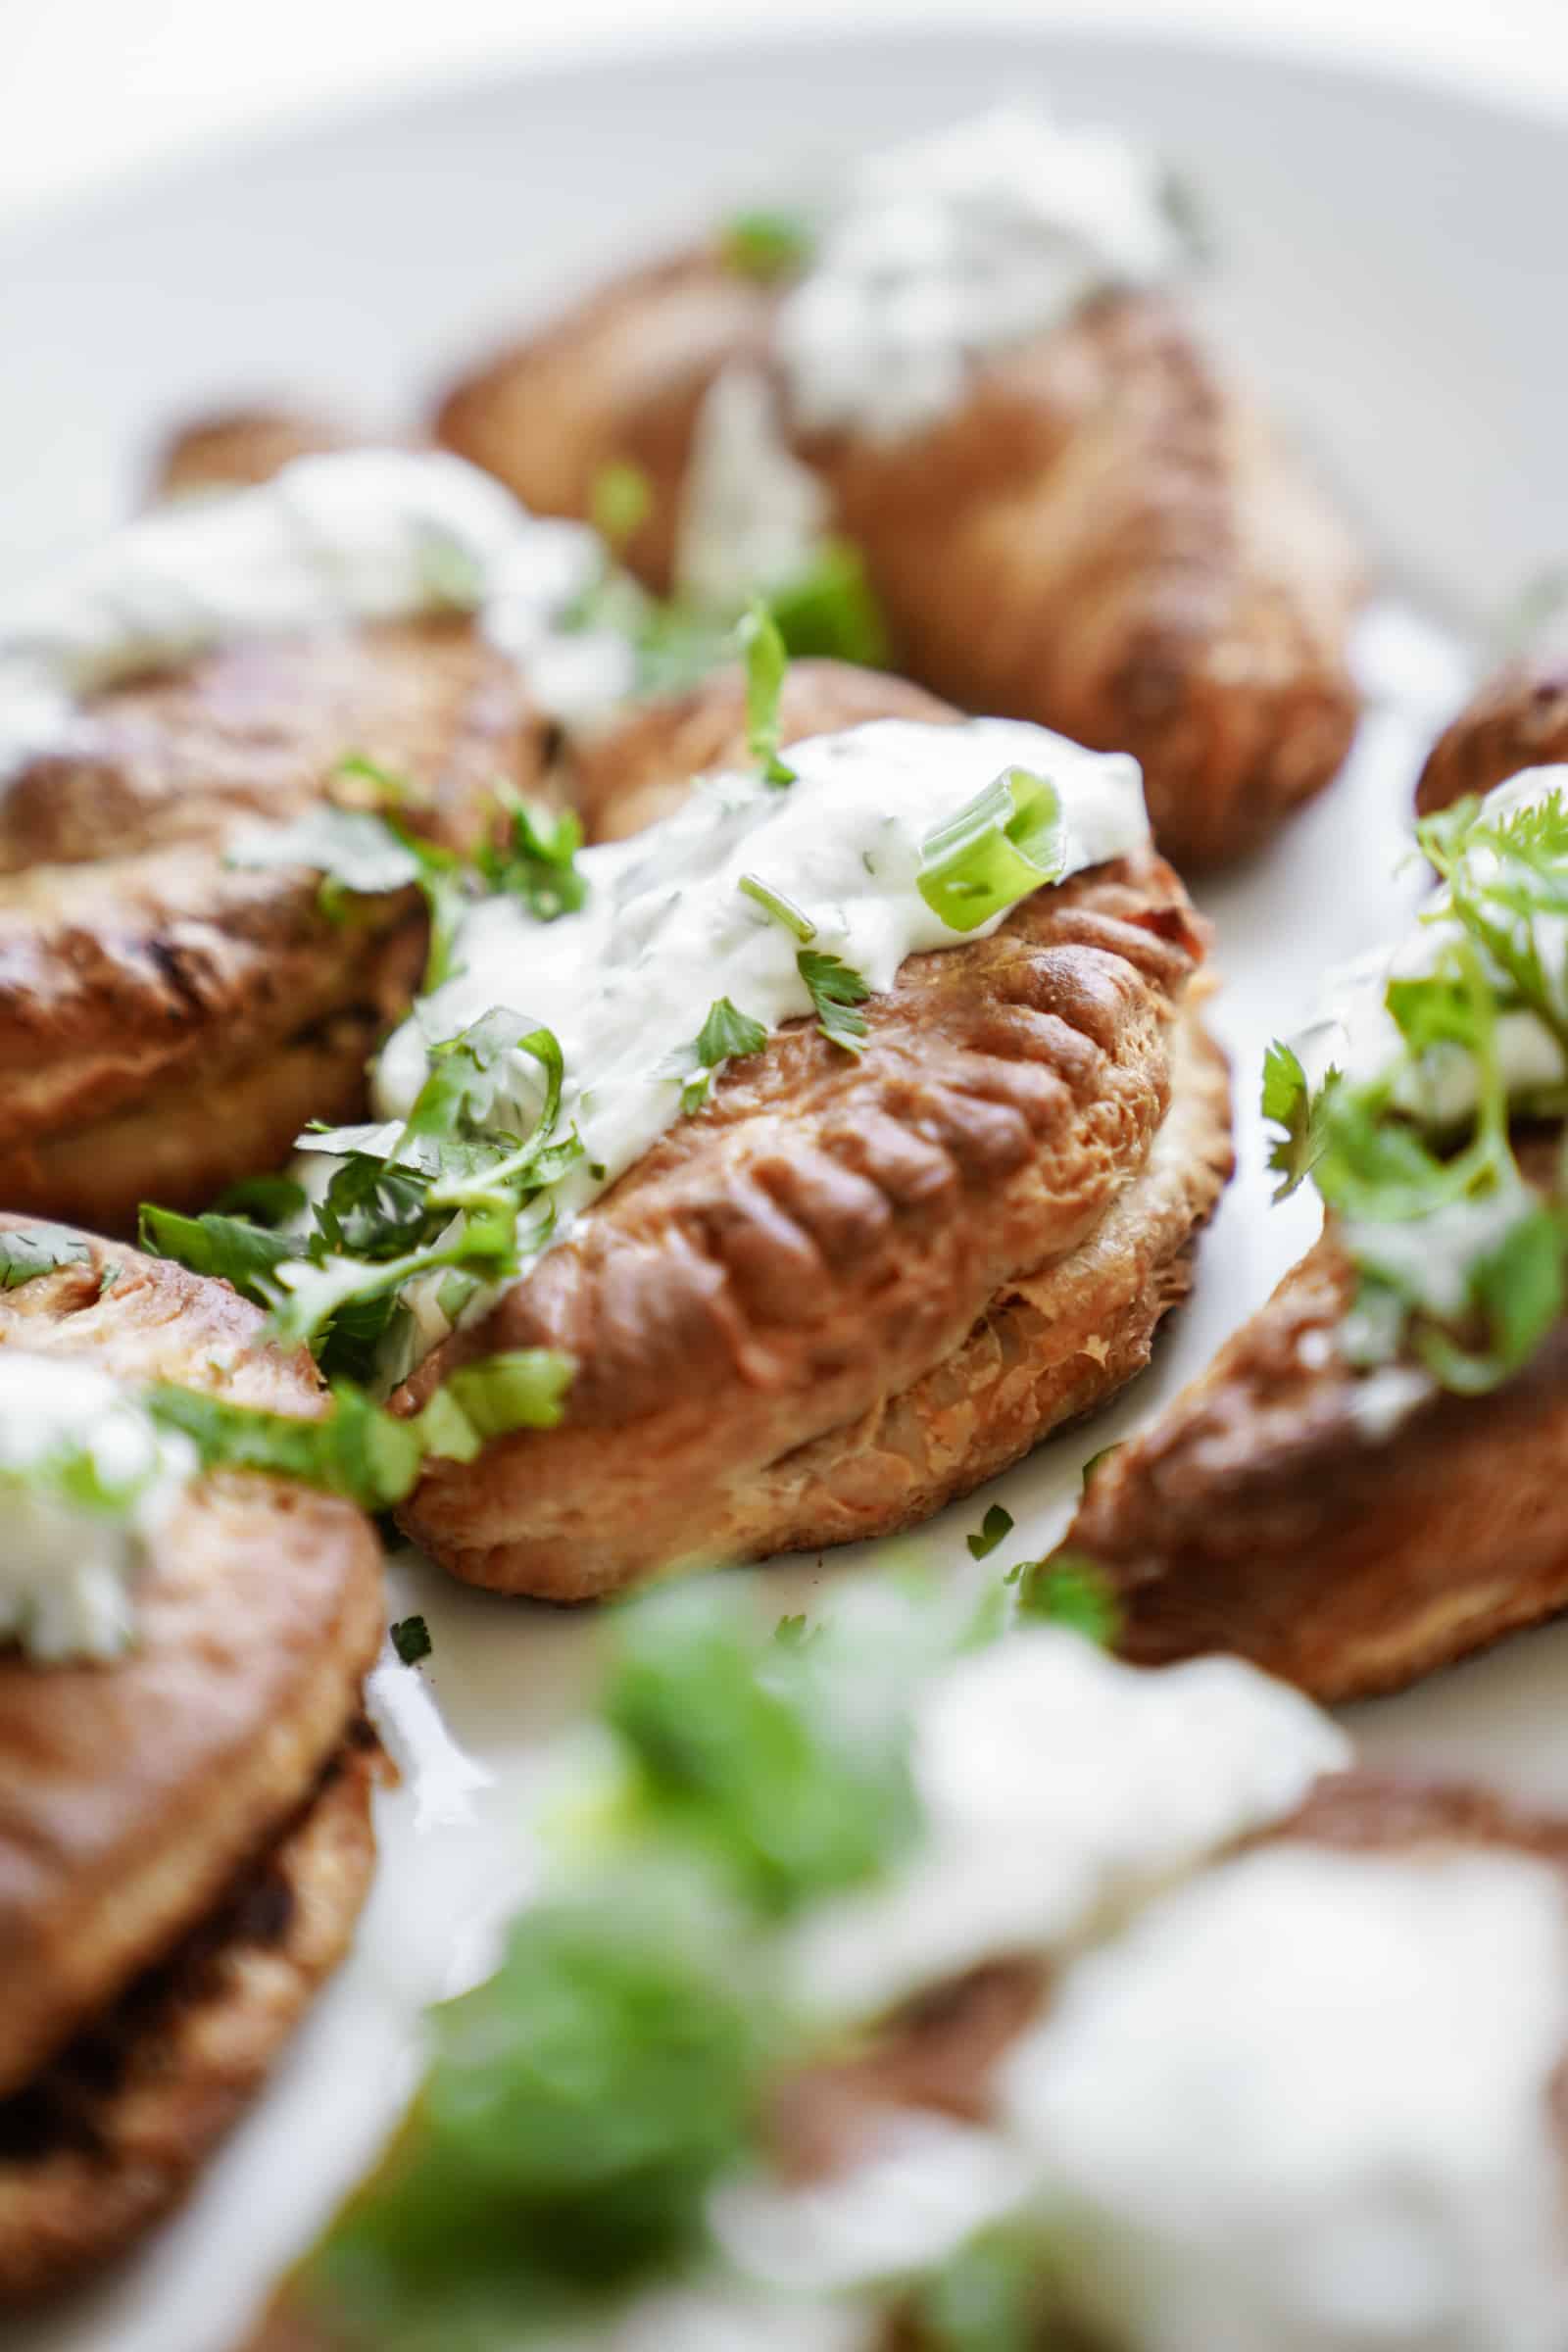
[[1009, 841], [537, 861], [782, 910], [767, 245], [835, 989], [359, 854], [1068, 1589], [765, 664], [28, 1251], [727, 1035], [996, 1524], [410, 1639], [1461, 1260], [231, 1248]]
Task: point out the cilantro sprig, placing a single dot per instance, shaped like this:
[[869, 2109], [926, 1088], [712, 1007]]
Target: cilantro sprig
[[28, 1251], [836, 988], [1462, 1262]]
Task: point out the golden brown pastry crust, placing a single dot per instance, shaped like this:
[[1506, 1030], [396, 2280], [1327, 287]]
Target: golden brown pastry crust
[[114, 2131], [751, 1302], [132, 1792], [1259, 1515], [167, 1022], [1106, 538], [1518, 718], [233, 447]]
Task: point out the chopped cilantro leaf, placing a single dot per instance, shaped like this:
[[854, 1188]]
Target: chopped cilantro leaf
[[28, 1251], [231, 1248], [537, 861], [835, 987], [410, 1639], [357, 1449], [725, 1035], [1068, 1589], [994, 1527], [1288, 1105]]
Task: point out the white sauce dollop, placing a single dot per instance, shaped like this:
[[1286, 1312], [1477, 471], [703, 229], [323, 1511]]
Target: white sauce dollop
[[752, 517], [362, 535], [69, 1566], [627, 983], [1302, 2102], [960, 244], [1060, 1785]]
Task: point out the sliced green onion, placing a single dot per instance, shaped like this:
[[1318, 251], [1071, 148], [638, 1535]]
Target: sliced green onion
[[1009, 841], [782, 910]]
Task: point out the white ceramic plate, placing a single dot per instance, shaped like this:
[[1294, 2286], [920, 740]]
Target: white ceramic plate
[[1390, 261]]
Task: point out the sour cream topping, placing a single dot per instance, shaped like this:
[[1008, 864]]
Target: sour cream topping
[[86, 1480], [1304, 2101], [1058, 1787], [627, 983], [952, 246], [358, 536]]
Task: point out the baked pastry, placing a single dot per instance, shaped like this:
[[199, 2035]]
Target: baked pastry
[[1364, 1484], [185, 1838], [811, 1277], [175, 999], [1516, 718], [235, 447], [1131, 2018], [974, 370]]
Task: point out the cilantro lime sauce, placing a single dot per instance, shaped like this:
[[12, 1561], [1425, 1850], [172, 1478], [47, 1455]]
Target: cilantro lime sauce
[[86, 1479], [667, 929], [360, 536], [956, 245], [1305, 2101]]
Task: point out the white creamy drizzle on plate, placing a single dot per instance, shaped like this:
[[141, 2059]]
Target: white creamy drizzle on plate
[[86, 1479], [359, 536], [958, 244], [627, 983], [1303, 2102]]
